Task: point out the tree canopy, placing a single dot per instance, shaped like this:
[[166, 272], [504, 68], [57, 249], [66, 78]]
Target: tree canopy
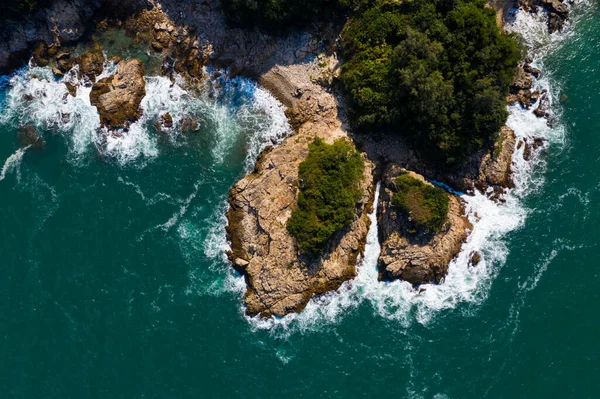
[[434, 71]]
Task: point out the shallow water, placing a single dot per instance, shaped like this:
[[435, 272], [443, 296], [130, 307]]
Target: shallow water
[[115, 284]]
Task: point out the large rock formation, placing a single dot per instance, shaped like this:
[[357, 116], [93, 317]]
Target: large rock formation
[[279, 280], [417, 258], [118, 97], [91, 63], [495, 169]]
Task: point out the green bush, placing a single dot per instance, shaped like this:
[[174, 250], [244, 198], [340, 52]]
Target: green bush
[[329, 182], [436, 71], [425, 206]]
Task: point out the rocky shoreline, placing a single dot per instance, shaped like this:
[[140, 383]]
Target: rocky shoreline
[[280, 280]]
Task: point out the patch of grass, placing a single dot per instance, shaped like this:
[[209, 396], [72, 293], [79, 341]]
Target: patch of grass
[[329, 182], [425, 206]]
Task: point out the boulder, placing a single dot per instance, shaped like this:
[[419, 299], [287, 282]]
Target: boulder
[[118, 97], [91, 64], [417, 258]]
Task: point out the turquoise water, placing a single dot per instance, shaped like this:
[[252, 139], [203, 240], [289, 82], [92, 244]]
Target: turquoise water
[[114, 284]]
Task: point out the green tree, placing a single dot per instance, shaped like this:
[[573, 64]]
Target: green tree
[[329, 182]]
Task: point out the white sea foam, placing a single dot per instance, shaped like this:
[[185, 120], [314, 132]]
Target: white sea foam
[[13, 162], [491, 222], [237, 110]]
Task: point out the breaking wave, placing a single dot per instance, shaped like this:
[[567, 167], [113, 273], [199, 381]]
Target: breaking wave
[[235, 111], [492, 221]]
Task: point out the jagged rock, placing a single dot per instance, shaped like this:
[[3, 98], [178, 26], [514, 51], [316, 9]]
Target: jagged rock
[[417, 258], [71, 88], [495, 170], [118, 97], [40, 55], [520, 88], [28, 136], [165, 122], [278, 280], [91, 63], [531, 70], [544, 105], [475, 259]]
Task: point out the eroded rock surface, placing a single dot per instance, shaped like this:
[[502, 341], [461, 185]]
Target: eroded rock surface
[[420, 258], [118, 97], [278, 280], [495, 170]]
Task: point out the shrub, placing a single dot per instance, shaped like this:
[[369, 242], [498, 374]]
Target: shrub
[[425, 206], [329, 181], [433, 70]]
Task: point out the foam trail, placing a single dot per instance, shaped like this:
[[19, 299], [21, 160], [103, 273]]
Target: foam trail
[[13, 161]]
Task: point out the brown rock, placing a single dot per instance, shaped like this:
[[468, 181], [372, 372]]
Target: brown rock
[[475, 259], [71, 88], [40, 55], [91, 63], [278, 280], [118, 97], [28, 136], [495, 167], [420, 258]]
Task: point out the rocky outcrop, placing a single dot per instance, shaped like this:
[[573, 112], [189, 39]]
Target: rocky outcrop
[[495, 169], [118, 97], [417, 258], [520, 88], [279, 281], [62, 23], [557, 11], [91, 63]]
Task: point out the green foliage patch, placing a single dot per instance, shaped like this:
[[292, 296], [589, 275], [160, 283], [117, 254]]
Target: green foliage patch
[[436, 71], [425, 206], [329, 181]]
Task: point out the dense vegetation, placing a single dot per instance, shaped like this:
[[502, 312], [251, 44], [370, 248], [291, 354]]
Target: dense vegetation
[[425, 206], [329, 181], [436, 71]]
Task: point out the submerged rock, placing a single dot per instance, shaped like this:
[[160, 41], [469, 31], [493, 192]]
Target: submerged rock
[[118, 97], [28, 136], [422, 257]]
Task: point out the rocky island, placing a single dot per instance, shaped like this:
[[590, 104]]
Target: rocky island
[[361, 102]]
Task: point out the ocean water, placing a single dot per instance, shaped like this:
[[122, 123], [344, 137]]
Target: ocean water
[[114, 283]]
